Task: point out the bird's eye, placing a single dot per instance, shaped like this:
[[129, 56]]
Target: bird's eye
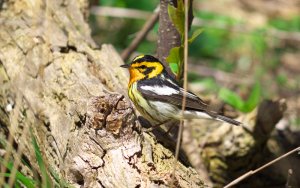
[[143, 67]]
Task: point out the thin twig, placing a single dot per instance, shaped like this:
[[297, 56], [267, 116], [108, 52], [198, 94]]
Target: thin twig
[[141, 35], [252, 172], [120, 12], [8, 149], [17, 159], [13, 119], [289, 177], [185, 62]]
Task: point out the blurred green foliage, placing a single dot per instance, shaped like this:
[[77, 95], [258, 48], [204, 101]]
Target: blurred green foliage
[[141, 4], [237, 102], [218, 18], [292, 24]]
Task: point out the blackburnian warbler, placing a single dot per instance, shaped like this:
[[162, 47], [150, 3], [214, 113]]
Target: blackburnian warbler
[[158, 97]]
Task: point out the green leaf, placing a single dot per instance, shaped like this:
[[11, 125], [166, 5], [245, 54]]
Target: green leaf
[[253, 98], [174, 68], [177, 17], [180, 5], [175, 59], [28, 182], [175, 55], [209, 84], [61, 182], [234, 100], [231, 98], [195, 34], [46, 180], [281, 79]]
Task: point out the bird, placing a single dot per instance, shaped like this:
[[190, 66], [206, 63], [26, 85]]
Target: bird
[[158, 96]]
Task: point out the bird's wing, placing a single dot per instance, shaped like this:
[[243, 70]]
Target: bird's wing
[[166, 90]]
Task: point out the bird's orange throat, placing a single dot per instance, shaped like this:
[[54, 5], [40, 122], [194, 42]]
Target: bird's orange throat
[[135, 75]]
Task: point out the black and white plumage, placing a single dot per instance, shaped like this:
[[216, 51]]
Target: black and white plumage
[[158, 97]]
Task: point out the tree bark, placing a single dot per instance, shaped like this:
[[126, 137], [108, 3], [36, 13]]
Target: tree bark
[[55, 80], [168, 36]]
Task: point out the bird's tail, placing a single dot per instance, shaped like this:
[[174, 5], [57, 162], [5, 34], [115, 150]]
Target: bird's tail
[[228, 120], [216, 116]]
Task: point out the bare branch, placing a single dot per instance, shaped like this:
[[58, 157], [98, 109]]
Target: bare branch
[[141, 35], [120, 12], [290, 173], [252, 172]]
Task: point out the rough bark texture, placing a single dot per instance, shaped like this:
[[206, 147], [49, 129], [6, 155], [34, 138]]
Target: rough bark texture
[[168, 36], [55, 80]]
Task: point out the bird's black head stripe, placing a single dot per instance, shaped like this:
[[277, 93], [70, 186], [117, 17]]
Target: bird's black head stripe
[[146, 58], [148, 70]]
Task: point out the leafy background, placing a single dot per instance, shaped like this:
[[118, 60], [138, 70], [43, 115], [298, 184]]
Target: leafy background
[[255, 42]]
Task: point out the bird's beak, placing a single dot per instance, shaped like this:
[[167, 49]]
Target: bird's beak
[[125, 66]]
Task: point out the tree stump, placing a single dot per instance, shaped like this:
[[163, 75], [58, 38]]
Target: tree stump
[[55, 80]]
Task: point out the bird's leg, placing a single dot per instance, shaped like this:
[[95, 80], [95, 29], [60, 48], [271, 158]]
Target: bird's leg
[[171, 127], [154, 127]]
